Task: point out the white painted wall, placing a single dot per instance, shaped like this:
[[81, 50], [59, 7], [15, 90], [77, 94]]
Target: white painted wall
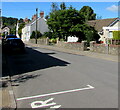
[[26, 33], [41, 26]]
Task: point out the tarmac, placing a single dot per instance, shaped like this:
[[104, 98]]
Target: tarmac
[[6, 91]]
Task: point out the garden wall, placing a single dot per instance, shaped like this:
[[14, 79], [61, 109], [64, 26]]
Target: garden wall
[[72, 45], [104, 48], [43, 41]]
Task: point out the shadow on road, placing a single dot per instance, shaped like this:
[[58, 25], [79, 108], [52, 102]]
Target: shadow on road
[[32, 60]]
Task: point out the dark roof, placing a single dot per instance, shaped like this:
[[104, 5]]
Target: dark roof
[[99, 24]]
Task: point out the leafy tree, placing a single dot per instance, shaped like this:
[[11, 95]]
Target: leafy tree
[[61, 22], [47, 17], [13, 31], [91, 34], [62, 6], [88, 13], [71, 22], [54, 7], [20, 29], [48, 34]]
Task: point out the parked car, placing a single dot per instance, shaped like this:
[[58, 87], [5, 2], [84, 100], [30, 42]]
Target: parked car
[[14, 45], [10, 36]]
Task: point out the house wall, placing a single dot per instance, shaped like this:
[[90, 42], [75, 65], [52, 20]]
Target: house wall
[[6, 30], [26, 33], [108, 32], [41, 26]]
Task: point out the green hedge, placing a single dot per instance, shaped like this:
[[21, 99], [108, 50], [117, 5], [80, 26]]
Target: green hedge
[[116, 35]]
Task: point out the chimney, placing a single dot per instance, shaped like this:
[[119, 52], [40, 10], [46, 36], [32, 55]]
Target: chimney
[[34, 17], [42, 14], [26, 20]]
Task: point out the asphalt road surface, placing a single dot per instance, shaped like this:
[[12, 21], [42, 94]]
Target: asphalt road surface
[[44, 78]]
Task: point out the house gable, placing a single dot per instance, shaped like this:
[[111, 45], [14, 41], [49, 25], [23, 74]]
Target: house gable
[[99, 24]]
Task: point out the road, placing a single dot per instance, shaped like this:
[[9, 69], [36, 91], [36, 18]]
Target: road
[[46, 78]]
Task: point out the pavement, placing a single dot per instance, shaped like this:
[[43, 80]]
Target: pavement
[[6, 90], [84, 53], [7, 100]]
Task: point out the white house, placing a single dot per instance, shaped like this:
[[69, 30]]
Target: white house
[[26, 31], [105, 27], [41, 25], [29, 28]]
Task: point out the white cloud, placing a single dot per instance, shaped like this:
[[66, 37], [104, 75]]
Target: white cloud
[[113, 8]]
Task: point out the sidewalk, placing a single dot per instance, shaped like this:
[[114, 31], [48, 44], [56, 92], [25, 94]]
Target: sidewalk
[[7, 100], [84, 53]]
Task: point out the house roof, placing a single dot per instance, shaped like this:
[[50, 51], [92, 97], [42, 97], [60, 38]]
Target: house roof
[[99, 24]]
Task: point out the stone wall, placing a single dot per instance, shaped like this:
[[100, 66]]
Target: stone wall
[[105, 48], [43, 41], [114, 49], [73, 45]]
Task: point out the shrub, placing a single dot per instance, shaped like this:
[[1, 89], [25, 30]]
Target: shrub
[[53, 40], [48, 34], [39, 35], [32, 35], [116, 35]]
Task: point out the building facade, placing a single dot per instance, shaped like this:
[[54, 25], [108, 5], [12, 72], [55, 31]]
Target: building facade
[[105, 27], [29, 28]]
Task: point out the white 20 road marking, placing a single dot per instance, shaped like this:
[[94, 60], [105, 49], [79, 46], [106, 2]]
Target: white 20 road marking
[[46, 103], [56, 93]]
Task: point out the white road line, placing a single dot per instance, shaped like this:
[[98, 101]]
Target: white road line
[[56, 93]]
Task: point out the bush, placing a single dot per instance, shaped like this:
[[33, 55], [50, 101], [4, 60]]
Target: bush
[[48, 34], [116, 35], [53, 40], [39, 35], [32, 35]]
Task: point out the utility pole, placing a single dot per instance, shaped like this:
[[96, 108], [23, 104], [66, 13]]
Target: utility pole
[[0, 22], [0, 18], [36, 25]]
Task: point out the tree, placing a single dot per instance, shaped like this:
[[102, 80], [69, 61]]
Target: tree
[[62, 6], [13, 31], [47, 17], [54, 7], [20, 29], [88, 13], [91, 34], [70, 22], [61, 22]]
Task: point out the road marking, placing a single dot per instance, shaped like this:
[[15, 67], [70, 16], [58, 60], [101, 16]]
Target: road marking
[[56, 93], [46, 103]]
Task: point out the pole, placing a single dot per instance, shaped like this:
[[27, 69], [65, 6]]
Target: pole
[[36, 25], [0, 22]]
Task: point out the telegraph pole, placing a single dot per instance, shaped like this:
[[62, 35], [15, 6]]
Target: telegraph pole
[[0, 18], [36, 25]]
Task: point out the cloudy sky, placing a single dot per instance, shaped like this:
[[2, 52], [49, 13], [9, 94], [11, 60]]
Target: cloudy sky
[[27, 9]]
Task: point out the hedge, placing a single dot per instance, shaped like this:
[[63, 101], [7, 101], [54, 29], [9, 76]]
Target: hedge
[[116, 35]]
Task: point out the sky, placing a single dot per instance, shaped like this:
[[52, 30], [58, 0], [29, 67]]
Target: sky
[[27, 9]]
